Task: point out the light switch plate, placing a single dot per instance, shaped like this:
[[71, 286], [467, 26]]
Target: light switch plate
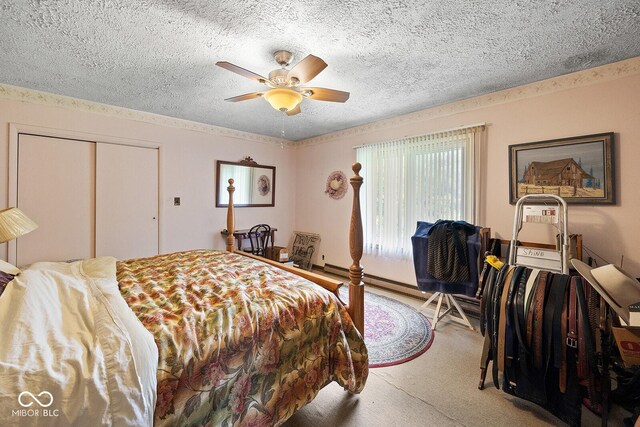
[[176, 201]]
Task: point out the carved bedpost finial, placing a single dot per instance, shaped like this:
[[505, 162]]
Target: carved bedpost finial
[[230, 216], [356, 286]]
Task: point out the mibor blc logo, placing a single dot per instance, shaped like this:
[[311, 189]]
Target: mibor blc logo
[[25, 402], [35, 405]]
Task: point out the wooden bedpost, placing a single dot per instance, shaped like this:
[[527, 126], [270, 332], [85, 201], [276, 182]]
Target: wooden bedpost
[[356, 286], [230, 224]]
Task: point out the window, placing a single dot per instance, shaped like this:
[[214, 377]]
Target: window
[[422, 178]]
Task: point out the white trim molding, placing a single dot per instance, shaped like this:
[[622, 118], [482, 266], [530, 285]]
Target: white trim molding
[[45, 98], [604, 73]]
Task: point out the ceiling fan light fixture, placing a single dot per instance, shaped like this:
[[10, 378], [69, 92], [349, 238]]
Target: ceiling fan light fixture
[[287, 86], [283, 99]]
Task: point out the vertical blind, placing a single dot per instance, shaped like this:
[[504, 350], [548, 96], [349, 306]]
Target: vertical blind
[[422, 178]]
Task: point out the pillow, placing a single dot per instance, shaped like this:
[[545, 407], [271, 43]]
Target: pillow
[[7, 273]]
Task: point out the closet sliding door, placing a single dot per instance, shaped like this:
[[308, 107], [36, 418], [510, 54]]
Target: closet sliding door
[[126, 201], [56, 181], [88, 198]]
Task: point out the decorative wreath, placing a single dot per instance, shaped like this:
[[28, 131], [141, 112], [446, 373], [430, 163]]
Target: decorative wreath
[[264, 185], [336, 185]]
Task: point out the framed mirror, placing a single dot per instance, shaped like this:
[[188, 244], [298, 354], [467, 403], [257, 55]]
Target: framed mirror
[[255, 184]]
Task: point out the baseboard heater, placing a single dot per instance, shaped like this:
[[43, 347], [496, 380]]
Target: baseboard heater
[[470, 305]]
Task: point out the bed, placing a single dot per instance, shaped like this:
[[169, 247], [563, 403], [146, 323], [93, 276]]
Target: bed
[[200, 337]]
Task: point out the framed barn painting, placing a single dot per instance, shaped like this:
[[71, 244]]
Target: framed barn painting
[[580, 169]]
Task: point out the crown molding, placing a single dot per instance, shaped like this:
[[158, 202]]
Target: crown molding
[[604, 73], [21, 94]]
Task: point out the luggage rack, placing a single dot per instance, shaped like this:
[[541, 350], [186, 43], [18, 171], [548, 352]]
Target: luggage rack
[[530, 210], [439, 312]]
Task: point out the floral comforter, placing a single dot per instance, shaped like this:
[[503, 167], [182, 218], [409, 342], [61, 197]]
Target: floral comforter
[[240, 342]]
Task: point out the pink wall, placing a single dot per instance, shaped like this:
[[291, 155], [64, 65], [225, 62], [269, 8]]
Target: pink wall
[[188, 165], [187, 169], [609, 105]]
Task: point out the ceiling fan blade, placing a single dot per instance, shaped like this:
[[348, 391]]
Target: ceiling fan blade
[[295, 111], [307, 69], [239, 70], [322, 94], [245, 97]]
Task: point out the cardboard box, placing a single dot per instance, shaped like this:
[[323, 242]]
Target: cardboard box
[[628, 340], [277, 253]]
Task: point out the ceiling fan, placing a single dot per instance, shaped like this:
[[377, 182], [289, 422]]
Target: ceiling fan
[[285, 93]]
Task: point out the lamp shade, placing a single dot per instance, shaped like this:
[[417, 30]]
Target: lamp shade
[[14, 223], [283, 99]]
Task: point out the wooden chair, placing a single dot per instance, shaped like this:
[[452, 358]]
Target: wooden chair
[[259, 236]]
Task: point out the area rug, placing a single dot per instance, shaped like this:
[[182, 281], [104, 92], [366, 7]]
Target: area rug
[[393, 331]]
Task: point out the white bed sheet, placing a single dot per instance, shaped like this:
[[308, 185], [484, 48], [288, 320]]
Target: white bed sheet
[[71, 350]]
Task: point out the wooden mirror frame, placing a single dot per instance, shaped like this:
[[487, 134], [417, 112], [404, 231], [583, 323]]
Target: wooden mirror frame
[[222, 181]]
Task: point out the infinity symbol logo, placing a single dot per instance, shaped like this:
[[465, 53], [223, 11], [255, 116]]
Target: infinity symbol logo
[[42, 393]]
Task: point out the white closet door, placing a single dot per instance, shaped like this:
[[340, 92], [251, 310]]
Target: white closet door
[[126, 201], [56, 182]]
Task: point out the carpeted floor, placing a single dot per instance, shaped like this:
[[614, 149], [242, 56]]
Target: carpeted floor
[[438, 388]]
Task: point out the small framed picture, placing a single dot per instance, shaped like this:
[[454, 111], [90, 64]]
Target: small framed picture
[[580, 169]]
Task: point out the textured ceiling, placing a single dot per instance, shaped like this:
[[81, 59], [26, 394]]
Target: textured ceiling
[[394, 56]]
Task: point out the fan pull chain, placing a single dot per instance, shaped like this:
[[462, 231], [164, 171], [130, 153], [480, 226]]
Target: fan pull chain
[[282, 132]]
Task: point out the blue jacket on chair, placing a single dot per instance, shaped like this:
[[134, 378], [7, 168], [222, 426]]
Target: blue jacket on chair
[[426, 282]]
